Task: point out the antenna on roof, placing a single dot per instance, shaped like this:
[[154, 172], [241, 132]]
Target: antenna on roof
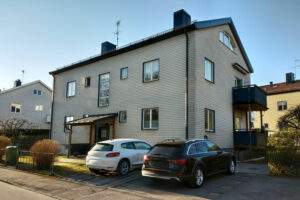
[[22, 75], [117, 33], [297, 65]]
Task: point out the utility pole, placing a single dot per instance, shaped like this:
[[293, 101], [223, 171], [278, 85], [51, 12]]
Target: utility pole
[[117, 33]]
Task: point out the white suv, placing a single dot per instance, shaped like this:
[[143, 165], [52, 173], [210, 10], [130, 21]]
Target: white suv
[[118, 155]]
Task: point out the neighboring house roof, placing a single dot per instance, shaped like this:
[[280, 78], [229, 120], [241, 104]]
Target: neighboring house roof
[[25, 85], [159, 37], [284, 87]]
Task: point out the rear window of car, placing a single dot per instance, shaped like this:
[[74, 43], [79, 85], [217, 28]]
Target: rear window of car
[[103, 147], [166, 150]]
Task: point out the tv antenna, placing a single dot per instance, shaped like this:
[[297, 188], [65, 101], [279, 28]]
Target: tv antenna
[[117, 33], [296, 65], [22, 75]]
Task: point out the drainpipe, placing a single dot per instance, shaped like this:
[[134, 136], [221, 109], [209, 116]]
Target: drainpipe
[[52, 106], [187, 85]]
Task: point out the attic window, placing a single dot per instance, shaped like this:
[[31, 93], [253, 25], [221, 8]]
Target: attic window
[[226, 39]]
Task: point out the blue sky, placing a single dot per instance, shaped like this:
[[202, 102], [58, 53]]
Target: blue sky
[[39, 36]]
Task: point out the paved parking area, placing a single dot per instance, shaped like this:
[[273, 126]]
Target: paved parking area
[[250, 182]]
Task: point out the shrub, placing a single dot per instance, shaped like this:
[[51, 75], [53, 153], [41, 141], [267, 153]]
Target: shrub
[[4, 142], [283, 153], [44, 152]]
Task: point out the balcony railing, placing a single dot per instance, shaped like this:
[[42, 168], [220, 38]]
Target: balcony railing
[[250, 96], [250, 138]]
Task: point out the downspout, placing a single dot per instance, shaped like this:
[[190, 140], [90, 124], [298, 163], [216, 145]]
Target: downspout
[[52, 106], [187, 85]]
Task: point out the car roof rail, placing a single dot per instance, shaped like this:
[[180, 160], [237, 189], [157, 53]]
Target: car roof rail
[[172, 140]]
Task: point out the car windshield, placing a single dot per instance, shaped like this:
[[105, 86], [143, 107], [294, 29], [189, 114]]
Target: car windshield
[[103, 147], [166, 150]]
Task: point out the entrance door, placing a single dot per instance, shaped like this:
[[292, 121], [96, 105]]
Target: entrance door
[[102, 133]]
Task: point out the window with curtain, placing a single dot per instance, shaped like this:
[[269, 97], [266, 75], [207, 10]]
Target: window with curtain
[[151, 70]]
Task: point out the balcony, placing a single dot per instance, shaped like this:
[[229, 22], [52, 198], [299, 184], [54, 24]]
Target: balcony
[[249, 97], [254, 138]]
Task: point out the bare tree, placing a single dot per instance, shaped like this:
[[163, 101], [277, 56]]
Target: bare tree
[[290, 120], [11, 127]]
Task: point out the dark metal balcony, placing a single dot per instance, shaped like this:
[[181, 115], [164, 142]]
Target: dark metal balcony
[[249, 97], [254, 138]]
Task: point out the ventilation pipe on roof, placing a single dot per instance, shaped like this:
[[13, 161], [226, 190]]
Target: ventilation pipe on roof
[[181, 18]]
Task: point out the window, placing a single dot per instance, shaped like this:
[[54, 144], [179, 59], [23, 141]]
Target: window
[[226, 39], [68, 119], [71, 87], [128, 145], [266, 125], [39, 108], [150, 118], [209, 70], [104, 86], [87, 81], [103, 147], [142, 146], [122, 116], [211, 146], [37, 92], [209, 120], [238, 82], [124, 73], [198, 147], [281, 105], [151, 70], [15, 108]]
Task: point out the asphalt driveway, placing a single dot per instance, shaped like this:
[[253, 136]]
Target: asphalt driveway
[[250, 182]]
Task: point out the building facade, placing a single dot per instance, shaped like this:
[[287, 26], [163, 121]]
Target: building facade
[[280, 98], [177, 84], [30, 102]]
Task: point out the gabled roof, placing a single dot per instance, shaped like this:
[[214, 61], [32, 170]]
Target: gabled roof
[[283, 87], [25, 85], [159, 37]]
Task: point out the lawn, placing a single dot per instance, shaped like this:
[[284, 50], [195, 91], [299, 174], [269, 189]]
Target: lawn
[[68, 166]]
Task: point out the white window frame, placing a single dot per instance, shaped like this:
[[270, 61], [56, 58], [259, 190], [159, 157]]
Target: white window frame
[[39, 108], [207, 120], [120, 114], [211, 68], [228, 41], [150, 120], [107, 89], [151, 67], [236, 82], [71, 92], [124, 76], [282, 105], [37, 92], [15, 106]]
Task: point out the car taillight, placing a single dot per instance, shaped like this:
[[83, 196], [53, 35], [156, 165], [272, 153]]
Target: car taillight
[[180, 162], [146, 158], [113, 154]]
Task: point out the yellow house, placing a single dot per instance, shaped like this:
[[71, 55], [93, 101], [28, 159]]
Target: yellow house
[[280, 98]]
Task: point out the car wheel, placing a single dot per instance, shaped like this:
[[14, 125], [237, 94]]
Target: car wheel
[[123, 167], [198, 178], [231, 167]]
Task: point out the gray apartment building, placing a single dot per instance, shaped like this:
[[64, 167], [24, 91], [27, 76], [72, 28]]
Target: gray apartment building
[[176, 84], [30, 101]]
